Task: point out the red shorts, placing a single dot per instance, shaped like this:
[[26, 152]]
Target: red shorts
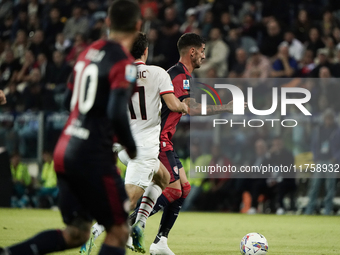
[[171, 161]]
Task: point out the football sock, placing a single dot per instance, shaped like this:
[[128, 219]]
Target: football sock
[[168, 194], [171, 212], [110, 250], [42, 243], [152, 192], [97, 230]]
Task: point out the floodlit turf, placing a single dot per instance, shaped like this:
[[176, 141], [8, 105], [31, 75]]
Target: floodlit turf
[[203, 233]]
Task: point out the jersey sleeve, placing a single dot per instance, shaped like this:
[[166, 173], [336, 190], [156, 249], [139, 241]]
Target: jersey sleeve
[[165, 84], [122, 74], [181, 86]]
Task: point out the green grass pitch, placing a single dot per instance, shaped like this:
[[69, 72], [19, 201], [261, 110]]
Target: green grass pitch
[[202, 233]]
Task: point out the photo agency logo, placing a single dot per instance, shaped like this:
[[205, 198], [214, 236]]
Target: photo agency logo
[[239, 102]]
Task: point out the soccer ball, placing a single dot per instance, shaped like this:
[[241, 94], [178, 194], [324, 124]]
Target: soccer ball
[[254, 244]]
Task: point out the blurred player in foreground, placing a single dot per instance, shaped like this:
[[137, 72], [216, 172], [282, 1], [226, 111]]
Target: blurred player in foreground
[[98, 95], [145, 174], [2, 98], [191, 49]]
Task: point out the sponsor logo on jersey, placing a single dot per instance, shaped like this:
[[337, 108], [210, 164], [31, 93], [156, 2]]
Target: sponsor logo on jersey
[[175, 168], [131, 73], [186, 84]]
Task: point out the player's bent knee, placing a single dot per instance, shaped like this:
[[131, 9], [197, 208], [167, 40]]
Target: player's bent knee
[[77, 234], [117, 235], [172, 194]]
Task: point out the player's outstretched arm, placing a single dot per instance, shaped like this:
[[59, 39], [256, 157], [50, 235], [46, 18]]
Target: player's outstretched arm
[[195, 108], [117, 113], [173, 103], [2, 98]]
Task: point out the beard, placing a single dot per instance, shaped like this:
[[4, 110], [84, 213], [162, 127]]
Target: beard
[[196, 64]]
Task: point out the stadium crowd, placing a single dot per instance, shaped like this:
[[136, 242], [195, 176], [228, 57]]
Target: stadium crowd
[[40, 41]]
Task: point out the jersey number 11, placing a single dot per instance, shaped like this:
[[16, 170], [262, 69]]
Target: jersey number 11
[[141, 92]]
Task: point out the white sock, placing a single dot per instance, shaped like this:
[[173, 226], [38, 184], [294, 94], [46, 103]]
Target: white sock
[[149, 199], [97, 230]]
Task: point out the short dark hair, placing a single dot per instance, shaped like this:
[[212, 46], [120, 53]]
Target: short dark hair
[[124, 15], [189, 40], [139, 46]]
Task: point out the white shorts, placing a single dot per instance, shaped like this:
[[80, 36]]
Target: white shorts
[[140, 170]]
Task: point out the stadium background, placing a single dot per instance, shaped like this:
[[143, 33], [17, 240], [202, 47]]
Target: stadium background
[[40, 41]]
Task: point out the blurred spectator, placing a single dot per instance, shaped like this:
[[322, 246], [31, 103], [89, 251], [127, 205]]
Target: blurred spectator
[[150, 4], [330, 47], [62, 44], [78, 46], [169, 37], [22, 182], [196, 158], [6, 29], [28, 65], [328, 23], [295, 46], [284, 65], [36, 96], [32, 94], [191, 22], [58, 70], [260, 186], [322, 61], [6, 7], [257, 65], [20, 45], [236, 41], [53, 26], [155, 56], [20, 5], [216, 53], [301, 26], [48, 181], [76, 24], [207, 24], [306, 65], [218, 196], [314, 41], [38, 44], [33, 25], [284, 183], [163, 6], [96, 30], [238, 67], [13, 97], [34, 8], [272, 40], [226, 25], [322, 154], [150, 21], [9, 68], [20, 23], [249, 27], [329, 88]]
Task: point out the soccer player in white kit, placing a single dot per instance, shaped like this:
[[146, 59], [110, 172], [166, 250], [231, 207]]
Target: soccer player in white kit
[[145, 173]]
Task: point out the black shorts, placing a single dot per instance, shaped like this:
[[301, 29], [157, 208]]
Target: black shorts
[[171, 161], [93, 196]]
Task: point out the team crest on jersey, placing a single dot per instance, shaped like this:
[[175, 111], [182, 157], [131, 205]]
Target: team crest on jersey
[[186, 84], [131, 73], [175, 168]]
